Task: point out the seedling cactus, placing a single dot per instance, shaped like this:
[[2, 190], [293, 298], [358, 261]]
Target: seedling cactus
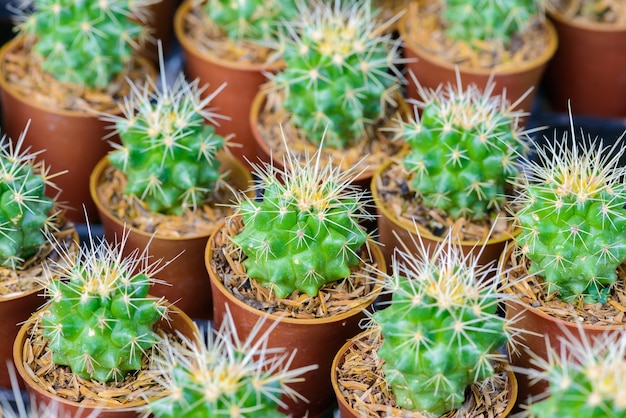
[[572, 210], [441, 329], [340, 71], [100, 319], [306, 231], [463, 149], [84, 42], [226, 377]]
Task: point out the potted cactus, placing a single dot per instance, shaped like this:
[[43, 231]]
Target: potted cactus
[[71, 57], [511, 41], [570, 253], [89, 346], [34, 232], [169, 180], [457, 173], [439, 335], [299, 255], [341, 82], [232, 43]]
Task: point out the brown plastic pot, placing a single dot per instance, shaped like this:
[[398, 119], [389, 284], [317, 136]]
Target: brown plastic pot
[[186, 281], [243, 81], [347, 411], [431, 70], [178, 321], [73, 141], [316, 340], [588, 69]]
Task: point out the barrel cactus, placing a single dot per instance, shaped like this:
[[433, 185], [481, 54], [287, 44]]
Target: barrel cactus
[[572, 210], [84, 42], [340, 71], [99, 318], [441, 330], [464, 149], [305, 231]]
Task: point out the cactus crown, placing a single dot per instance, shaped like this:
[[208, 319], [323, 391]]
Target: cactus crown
[[168, 151], [25, 212], [463, 149], [572, 211], [340, 71], [441, 329], [85, 42], [100, 319], [306, 231], [226, 377]]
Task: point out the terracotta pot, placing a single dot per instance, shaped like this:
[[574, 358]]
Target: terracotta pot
[[395, 232], [347, 411], [186, 277], [73, 141], [161, 23], [588, 69], [243, 81], [432, 70], [316, 340], [178, 321]]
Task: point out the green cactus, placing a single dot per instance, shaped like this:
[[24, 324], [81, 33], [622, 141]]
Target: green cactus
[[306, 231], [168, 152], [25, 211], [85, 42], [572, 210], [226, 377], [464, 149], [100, 319], [441, 329], [340, 71]]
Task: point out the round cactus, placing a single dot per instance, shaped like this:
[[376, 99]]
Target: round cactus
[[441, 329], [340, 71], [463, 150], [572, 210]]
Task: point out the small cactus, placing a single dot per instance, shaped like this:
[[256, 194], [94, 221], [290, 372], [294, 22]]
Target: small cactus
[[168, 151], [340, 71], [441, 329], [85, 42], [99, 320], [306, 231], [463, 149], [25, 212], [226, 377], [572, 211]]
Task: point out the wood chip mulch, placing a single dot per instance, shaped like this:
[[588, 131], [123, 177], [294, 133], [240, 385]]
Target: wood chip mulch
[[532, 291], [334, 298], [610, 12], [361, 381]]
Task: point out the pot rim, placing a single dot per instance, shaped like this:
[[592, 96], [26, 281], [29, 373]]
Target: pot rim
[[598, 27]]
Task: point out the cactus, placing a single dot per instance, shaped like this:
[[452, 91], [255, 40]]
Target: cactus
[[340, 71], [463, 150], [226, 377], [85, 42], [99, 320], [572, 211], [168, 152], [305, 232], [25, 212], [441, 329]]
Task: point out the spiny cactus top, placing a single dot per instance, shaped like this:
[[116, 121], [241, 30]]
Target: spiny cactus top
[[168, 151], [25, 211], [340, 71], [306, 230], [100, 319], [441, 329], [463, 150], [226, 377], [86, 42], [573, 216]]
